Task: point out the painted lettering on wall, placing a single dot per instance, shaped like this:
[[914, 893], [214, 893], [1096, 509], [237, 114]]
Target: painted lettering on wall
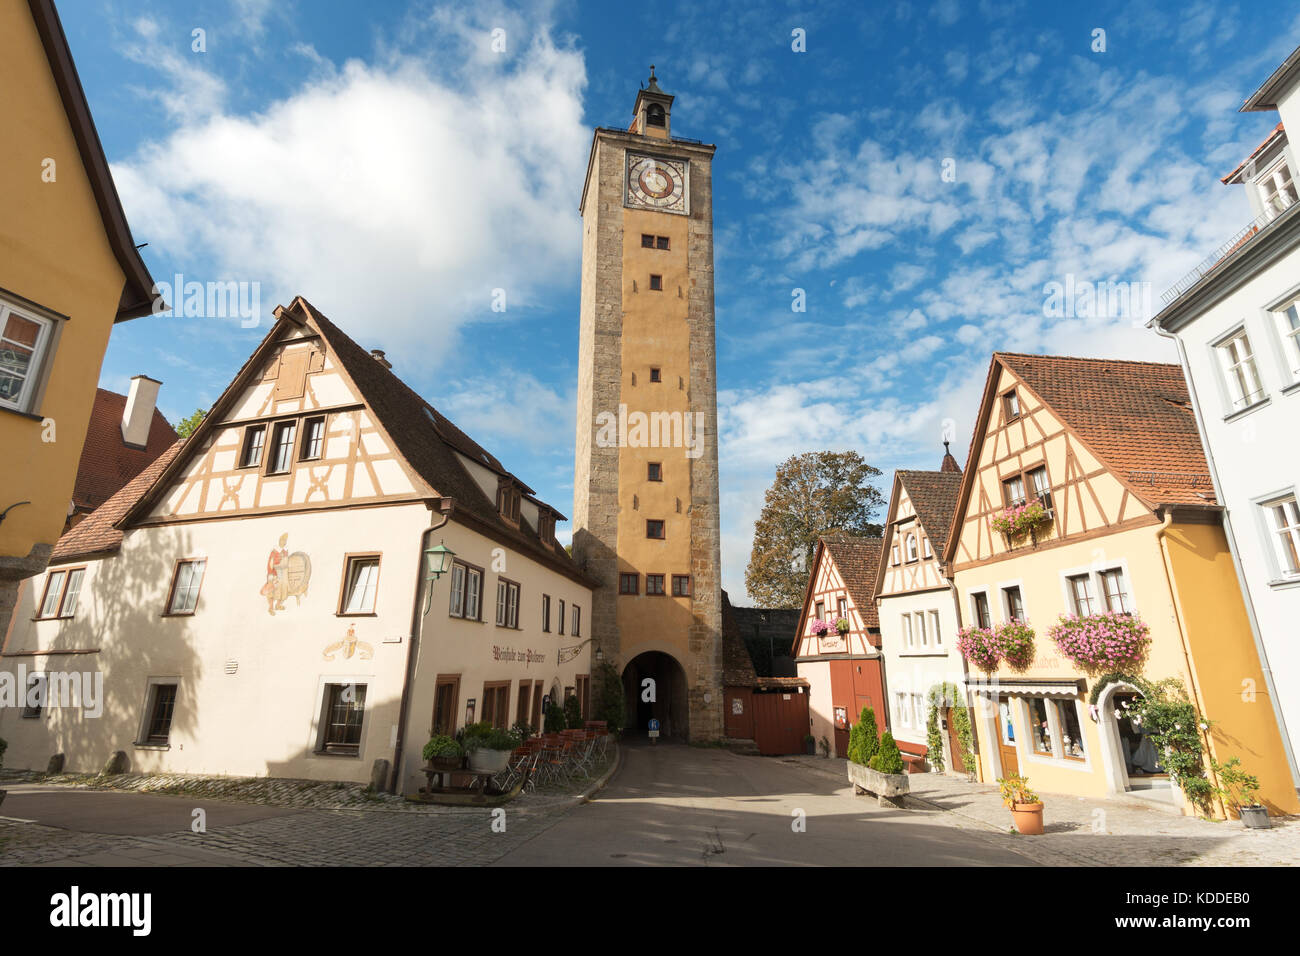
[[526, 656]]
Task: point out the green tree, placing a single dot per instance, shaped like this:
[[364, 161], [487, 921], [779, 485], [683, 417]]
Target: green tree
[[186, 426], [813, 494], [863, 738], [887, 759]]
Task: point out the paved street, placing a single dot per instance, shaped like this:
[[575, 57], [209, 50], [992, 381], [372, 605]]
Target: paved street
[[672, 804]]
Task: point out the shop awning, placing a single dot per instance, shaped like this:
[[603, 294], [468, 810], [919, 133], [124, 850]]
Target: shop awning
[[1029, 687]]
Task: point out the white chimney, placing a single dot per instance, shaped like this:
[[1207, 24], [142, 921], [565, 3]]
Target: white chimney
[[137, 417]]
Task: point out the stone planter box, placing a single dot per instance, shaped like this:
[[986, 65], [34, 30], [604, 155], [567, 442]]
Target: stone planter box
[[889, 788]]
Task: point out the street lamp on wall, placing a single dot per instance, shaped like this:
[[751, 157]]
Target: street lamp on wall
[[437, 562]]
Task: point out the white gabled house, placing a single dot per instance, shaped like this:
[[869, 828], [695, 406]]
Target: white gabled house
[[257, 603]]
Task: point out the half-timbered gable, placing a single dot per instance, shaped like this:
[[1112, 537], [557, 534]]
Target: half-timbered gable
[[843, 670], [1100, 443]]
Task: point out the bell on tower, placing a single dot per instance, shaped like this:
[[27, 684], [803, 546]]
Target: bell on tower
[[652, 110]]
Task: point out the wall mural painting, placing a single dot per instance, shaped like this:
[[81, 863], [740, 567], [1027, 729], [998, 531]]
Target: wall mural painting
[[349, 646], [287, 576]]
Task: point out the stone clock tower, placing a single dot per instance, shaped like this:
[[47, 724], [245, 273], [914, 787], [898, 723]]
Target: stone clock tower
[[646, 477]]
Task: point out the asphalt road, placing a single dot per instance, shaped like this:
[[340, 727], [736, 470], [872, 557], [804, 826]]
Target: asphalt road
[[133, 814], [678, 805]]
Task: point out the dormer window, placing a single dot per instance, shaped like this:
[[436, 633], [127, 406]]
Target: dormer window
[[545, 525], [654, 115], [1276, 190], [508, 496], [1011, 405]]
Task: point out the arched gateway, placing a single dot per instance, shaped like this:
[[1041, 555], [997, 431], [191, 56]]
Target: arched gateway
[[654, 687]]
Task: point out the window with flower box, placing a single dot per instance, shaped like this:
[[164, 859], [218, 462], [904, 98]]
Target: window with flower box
[[1042, 486], [1013, 491], [1114, 591], [1014, 603], [1081, 599], [980, 609]]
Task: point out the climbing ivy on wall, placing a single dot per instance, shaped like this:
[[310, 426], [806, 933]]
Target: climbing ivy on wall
[[947, 695]]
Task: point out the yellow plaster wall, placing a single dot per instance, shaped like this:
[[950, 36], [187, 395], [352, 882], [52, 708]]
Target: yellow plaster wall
[[1226, 663], [53, 251]]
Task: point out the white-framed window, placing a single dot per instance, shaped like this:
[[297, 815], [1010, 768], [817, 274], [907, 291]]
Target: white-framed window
[[907, 631], [24, 343], [981, 616], [894, 558], [903, 704], [508, 603], [1288, 327], [1276, 190], [361, 585], [1042, 486], [1283, 515], [926, 549], [1082, 601], [1013, 605], [1240, 373], [921, 639], [1114, 591], [187, 579], [911, 546], [934, 629], [1013, 490], [918, 708]]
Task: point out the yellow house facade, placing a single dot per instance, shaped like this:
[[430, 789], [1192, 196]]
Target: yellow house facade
[[1110, 449], [68, 271]]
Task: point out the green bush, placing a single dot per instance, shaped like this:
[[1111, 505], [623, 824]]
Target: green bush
[[440, 745], [553, 721], [609, 698], [863, 739], [522, 730], [887, 758], [573, 713], [493, 738]]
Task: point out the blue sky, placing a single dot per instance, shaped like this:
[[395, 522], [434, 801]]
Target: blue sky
[[384, 162]]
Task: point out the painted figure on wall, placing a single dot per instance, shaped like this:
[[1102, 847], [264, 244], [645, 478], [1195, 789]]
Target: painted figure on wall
[[349, 646], [287, 575]]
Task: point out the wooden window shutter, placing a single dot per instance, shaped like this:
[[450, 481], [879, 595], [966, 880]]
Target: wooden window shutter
[[293, 376]]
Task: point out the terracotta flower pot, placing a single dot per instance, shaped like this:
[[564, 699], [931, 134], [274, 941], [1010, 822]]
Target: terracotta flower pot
[[1028, 818]]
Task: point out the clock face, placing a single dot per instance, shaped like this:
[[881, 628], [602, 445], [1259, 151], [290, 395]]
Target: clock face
[[656, 183]]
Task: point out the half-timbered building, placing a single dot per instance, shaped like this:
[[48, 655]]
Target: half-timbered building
[[257, 601], [918, 614], [843, 670], [1132, 527]]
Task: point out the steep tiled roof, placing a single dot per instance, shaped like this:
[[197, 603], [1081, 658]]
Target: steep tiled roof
[[96, 534], [857, 560], [429, 441], [934, 496], [1136, 416], [107, 462], [737, 665], [1273, 134]]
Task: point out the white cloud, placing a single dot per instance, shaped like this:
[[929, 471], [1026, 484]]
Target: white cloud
[[396, 197]]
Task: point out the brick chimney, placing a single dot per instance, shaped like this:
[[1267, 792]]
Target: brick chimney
[[137, 417]]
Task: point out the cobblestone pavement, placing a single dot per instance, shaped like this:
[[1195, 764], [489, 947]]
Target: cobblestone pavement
[[1082, 831], [374, 836]]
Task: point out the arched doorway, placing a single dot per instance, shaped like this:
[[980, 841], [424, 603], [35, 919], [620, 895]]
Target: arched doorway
[[1132, 763], [654, 687]]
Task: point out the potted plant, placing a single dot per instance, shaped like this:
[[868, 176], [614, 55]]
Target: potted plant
[[489, 750], [819, 627], [1238, 790], [979, 645], [842, 625], [443, 753], [875, 766], [1026, 809], [810, 745]]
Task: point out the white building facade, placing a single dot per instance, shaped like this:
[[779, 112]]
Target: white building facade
[[257, 601], [1236, 322], [918, 613]]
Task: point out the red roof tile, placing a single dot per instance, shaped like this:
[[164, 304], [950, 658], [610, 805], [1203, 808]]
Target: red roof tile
[[934, 496], [107, 462], [857, 560], [1135, 416]]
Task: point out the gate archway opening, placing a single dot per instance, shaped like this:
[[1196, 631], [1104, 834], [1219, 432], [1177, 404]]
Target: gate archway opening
[[654, 688]]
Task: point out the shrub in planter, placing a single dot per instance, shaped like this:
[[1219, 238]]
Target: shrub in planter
[[841, 625], [1238, 790], [863, 742], [554, 721], [1102, 640], [1015, 641], [819, 627], [887, 758], [573, 713], [979, 645], [442, 747], [493, 738]]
